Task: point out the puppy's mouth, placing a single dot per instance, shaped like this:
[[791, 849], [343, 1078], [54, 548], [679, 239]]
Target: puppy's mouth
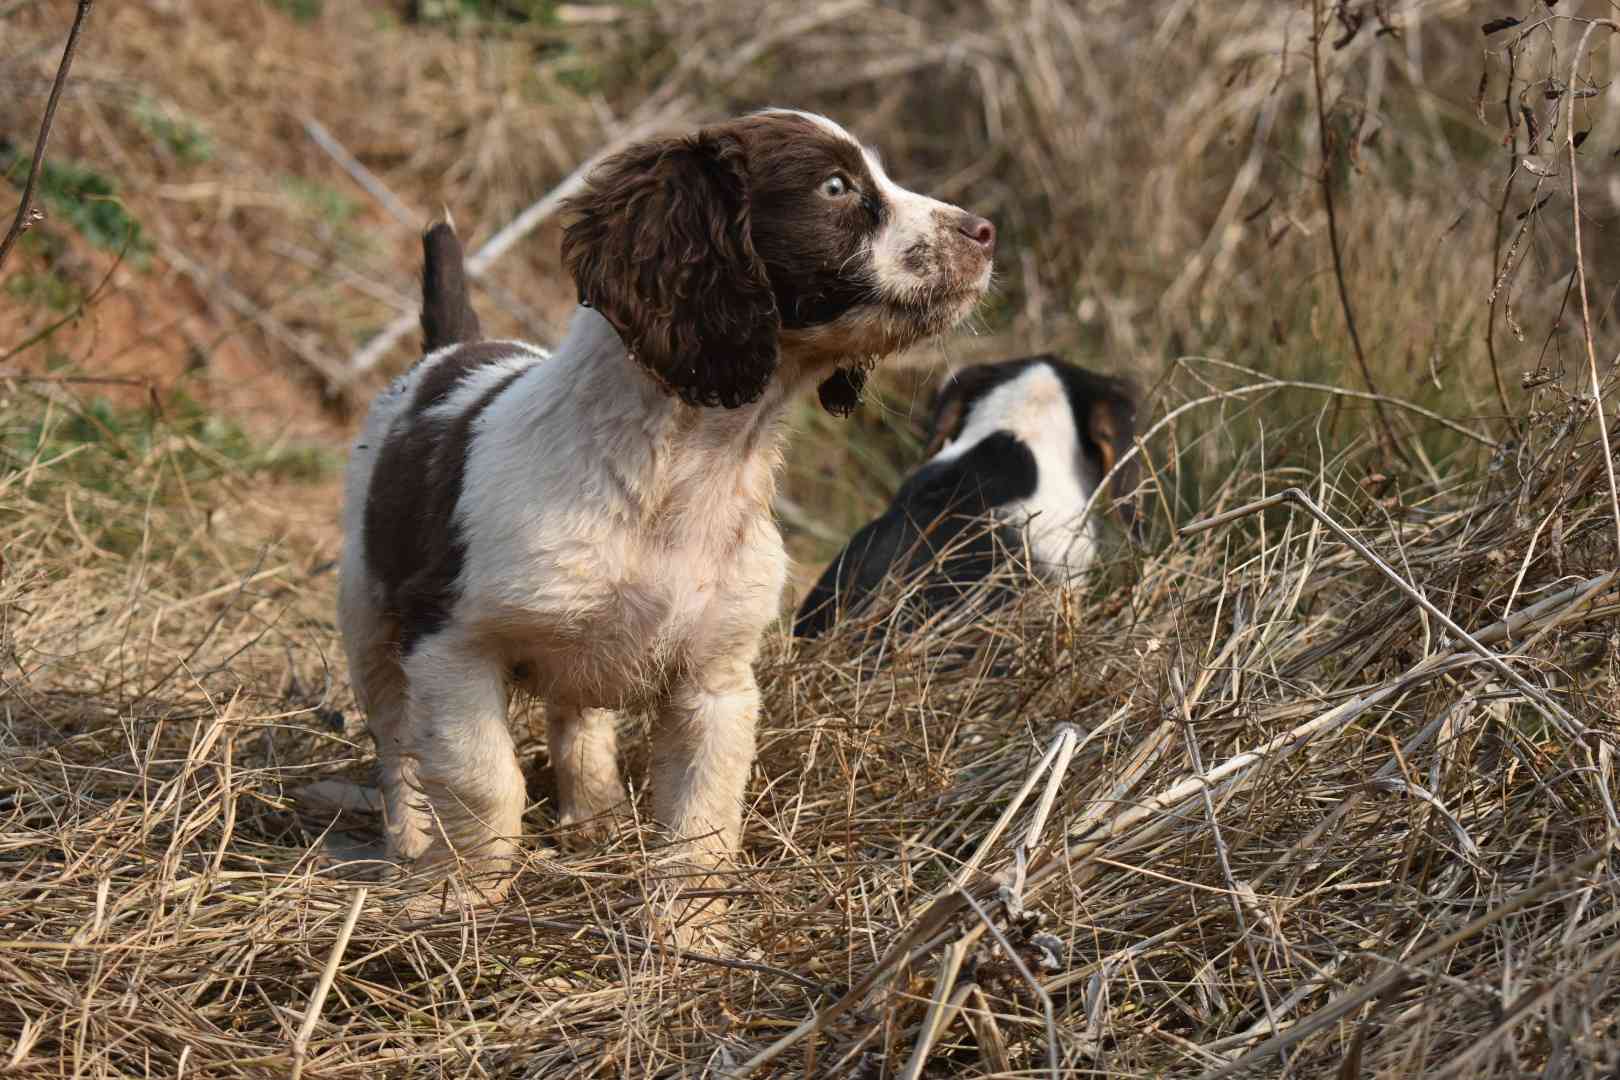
[[880, 326], [883, 320], [938, 308]]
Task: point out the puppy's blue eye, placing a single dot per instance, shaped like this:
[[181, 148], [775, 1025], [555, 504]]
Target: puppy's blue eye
[[834, 186]]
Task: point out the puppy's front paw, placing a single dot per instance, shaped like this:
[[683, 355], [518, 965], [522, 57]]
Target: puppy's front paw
[[440, 887], [698, 924], [592, 822], [687, 909]]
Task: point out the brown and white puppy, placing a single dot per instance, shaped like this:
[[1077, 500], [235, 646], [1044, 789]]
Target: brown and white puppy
[[599, 517]]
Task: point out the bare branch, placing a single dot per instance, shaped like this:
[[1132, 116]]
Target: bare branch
[[26, 213]]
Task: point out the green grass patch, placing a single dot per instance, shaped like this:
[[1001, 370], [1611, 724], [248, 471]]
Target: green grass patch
[[334, 207], [302, 10], [37, 280], [543, 12], [183, 137], [44, 288]]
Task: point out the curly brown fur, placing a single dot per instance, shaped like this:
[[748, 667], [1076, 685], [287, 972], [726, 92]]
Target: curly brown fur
[[662, 248]]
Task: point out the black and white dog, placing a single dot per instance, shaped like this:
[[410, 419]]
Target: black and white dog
[[1016, 450]]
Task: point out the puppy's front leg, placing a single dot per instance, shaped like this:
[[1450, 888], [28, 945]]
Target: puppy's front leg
[[466, 763], [703, 745], [584, 748]]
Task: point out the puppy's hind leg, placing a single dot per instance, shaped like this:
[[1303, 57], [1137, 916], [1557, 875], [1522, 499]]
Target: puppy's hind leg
[[466, 763], [406, 822], [379, 690], [584, 758]]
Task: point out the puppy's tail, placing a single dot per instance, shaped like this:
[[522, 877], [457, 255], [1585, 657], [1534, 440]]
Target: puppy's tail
[[447, 314]]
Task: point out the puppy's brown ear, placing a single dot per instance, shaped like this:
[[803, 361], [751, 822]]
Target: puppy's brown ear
[[661, 247], [947, 423], [1111, 432]]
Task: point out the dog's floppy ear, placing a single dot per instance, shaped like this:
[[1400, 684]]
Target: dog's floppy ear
[[949, 415], [1110, 431], [955, 396], [661, 247]]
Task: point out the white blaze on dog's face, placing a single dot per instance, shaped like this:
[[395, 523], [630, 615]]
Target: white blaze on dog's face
[[920, 251], [866, 267], [922, 256], [773, 236]]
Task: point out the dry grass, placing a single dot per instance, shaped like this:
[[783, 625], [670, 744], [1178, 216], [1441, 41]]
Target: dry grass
[[1245, 805], [1396, 857]]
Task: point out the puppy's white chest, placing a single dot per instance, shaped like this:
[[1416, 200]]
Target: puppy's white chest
[[604, 623]]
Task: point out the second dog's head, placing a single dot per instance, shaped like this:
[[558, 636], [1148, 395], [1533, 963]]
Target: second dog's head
[[1042, 400], [715, 253]]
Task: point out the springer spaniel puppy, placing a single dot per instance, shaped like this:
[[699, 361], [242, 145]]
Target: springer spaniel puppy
[[1016, 450], [598, 519]]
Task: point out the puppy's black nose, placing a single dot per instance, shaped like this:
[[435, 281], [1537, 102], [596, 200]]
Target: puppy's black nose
[[978, 230]]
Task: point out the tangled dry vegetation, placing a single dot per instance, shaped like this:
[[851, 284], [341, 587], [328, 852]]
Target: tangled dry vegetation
[[1314, 785]]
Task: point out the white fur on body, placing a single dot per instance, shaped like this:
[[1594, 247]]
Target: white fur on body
[[620, 549], [1034, 408]]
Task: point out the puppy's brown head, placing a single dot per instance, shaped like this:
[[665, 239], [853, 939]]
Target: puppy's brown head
[[714, 253]]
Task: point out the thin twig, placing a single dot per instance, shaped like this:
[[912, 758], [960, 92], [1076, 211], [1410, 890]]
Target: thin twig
[[361, 175], [1319, 28], [1498, 267], [46, 332], [1580, 266], [26, 213]]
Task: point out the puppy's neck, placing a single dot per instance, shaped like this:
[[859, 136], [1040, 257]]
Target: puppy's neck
[[647, 433]]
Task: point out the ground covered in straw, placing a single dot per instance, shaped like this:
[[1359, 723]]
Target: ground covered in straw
[[1319, 781], [1244, 804]]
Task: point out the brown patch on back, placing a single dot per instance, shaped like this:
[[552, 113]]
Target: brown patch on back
[[413, 548], [436, 385]]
